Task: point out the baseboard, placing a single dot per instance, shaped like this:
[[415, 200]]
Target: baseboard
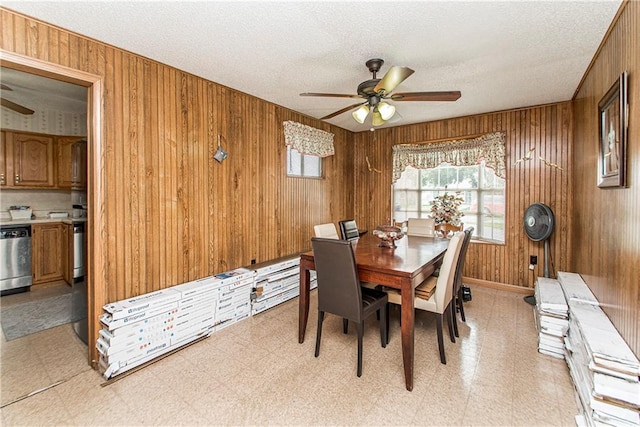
[[497, 285]]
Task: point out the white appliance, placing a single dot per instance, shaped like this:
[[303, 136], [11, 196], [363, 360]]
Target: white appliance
[[79, 289], [78, 250]]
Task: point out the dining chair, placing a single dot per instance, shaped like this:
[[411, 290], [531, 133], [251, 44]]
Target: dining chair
[[340, 293], [349, 229], [326, 230], [457, 281], [440, 301], [424, 227]]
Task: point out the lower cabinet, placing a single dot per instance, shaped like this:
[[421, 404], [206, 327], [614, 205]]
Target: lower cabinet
[[47, 252], [67, 253]]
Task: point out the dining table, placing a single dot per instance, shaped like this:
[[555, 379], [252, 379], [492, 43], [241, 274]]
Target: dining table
[[404, 267]]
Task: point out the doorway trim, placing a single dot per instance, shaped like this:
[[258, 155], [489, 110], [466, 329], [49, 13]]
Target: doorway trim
[[96, 238]]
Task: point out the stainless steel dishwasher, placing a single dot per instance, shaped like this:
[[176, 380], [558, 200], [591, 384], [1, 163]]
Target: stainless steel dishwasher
[[15, 256]]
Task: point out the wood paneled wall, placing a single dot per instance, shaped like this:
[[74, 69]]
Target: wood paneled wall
[[605, 224], [547, 128], [171, 212], [174, 214]]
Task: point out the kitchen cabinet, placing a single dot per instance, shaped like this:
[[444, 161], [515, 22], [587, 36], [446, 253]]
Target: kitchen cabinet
[[67, 253], [29, 160], [3, 166], [47, 252], [71, 162]]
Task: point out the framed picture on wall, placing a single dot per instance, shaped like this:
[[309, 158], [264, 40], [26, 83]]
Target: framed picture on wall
[[614, 114]]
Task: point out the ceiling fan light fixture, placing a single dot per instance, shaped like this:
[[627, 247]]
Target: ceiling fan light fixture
[[386, 110], [377, 119], [361, 113]]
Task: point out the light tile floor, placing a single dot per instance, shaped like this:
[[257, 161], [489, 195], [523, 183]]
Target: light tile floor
[[256, 373]]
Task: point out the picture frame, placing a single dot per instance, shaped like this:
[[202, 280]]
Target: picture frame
[[613, 114]]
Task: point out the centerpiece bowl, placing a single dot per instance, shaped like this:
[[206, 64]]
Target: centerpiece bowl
[[388, 234]]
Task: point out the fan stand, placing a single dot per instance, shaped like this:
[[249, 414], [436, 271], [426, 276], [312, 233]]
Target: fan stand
[[546, 258], [531, 299]]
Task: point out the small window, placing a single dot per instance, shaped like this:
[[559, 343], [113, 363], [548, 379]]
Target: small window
[[303, 165]]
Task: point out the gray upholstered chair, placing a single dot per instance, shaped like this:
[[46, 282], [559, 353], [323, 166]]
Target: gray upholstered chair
[[340, 293], [440, 301], [349, 229]]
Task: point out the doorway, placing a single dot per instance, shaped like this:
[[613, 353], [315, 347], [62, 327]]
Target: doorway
[[95, 268]]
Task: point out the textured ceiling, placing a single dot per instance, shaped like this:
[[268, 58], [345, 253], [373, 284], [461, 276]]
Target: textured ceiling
[[500, 55]]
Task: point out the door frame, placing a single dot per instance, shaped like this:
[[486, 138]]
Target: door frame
[[96, 218]]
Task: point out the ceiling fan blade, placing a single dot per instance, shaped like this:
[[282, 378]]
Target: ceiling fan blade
[[330, 95], [345, 109], [392, 79], [427, 96], [4, 87], [15, 107]]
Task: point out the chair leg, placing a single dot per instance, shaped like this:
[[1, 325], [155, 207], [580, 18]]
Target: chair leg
[[461, 304], [443, 358], [384, 327], [360, 334], [345, 326], [319, 333], [387, 321], [454, 318], [447, 313]]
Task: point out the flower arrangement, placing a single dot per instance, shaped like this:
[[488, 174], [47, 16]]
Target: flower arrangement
[[446, 209]]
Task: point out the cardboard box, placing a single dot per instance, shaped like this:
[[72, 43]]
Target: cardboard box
[[235, 276], [141, 303], [263, 272], [191, 289], [112, 324]]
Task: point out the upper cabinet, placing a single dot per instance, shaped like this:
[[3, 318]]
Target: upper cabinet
[[32, 160], [29, 160], [72, 162]]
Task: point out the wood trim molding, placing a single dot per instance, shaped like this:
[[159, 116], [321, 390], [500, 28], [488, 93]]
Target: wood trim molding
[[498, 286], [96, 268]]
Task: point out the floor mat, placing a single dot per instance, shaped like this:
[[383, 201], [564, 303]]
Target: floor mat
[[35, 316]]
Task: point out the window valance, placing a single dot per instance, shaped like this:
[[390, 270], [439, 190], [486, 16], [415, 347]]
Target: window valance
[[308, 140], [461, 152]]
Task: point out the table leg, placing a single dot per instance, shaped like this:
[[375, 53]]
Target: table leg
[[407, 331], [303, 302]]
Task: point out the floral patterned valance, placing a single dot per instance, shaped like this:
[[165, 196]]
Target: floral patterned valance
[[308, 140], [461, 152]]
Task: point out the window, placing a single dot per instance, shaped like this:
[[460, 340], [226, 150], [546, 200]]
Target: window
[[482, 190], [303, 165]]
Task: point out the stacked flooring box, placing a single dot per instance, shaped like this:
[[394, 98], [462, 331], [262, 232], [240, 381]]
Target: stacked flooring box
[[604, 370], [552, 317], [142, 328], [276, 282]]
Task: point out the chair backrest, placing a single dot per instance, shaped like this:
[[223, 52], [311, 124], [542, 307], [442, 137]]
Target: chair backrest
[[457, 281], [349, 229], [444, 285], [424, 227], [326, 230], [337, 274]]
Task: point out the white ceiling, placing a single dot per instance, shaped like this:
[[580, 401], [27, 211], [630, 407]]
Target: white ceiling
[[499, 54], [41, 93]]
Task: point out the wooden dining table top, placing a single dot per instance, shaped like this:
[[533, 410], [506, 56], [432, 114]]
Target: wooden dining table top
[[411, 255]]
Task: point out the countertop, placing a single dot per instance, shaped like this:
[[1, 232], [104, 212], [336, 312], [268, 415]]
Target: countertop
[[40, 220]]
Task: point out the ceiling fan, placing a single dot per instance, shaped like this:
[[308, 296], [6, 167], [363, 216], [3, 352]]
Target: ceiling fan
[[12, 105], [377, 91]]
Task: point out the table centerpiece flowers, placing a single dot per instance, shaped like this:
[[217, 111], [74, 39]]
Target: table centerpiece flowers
[[445, 210]]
